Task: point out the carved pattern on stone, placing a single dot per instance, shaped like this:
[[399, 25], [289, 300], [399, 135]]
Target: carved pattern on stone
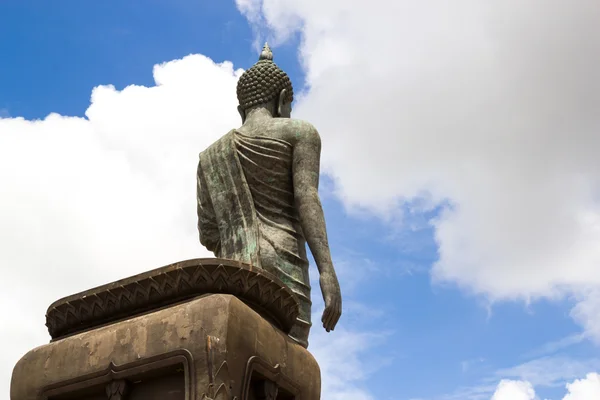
[[219, 382], [219, 389], [168, 285]]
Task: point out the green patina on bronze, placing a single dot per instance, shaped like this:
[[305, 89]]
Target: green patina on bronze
[[258, 193]]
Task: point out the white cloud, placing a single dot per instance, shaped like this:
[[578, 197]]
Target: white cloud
[[87, 201], [551, 371], [584, 389], [489, 106], [586, 312], [587, 388], [514, 390]]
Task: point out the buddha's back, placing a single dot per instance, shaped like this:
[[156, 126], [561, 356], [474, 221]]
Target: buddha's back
[[258, 197], [267, 162]]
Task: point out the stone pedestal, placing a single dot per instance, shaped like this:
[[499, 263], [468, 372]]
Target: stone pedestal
[[200, 329]]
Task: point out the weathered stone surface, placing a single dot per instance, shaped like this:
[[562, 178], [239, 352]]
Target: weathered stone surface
[[211, 347]]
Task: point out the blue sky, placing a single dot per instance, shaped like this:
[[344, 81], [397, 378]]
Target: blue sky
[[438, 339]]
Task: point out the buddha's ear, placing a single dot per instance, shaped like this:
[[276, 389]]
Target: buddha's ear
[[280, 101], [242, 113]]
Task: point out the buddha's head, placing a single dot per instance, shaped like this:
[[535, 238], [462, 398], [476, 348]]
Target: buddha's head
[[265, 85]]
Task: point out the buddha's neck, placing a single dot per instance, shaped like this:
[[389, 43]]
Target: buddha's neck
[[258, 113]]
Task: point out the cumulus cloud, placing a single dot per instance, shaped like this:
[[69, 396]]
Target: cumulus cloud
[[488, 109], [587, 388], [514, 390], [551, 371], [584, 389]]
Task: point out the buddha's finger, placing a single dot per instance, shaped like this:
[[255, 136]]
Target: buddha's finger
[[338, 314], [324, 317], [337, 319], [331, 316]]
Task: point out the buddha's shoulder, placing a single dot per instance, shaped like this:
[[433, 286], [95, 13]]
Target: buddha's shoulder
[[298, 124], [296, 129]]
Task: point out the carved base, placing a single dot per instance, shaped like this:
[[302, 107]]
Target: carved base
[[213, 347]]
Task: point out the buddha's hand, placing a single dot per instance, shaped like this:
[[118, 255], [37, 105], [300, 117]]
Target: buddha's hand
[[332, 296]]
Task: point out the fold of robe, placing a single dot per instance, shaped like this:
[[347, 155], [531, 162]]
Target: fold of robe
[[226, 217], [246, 212]]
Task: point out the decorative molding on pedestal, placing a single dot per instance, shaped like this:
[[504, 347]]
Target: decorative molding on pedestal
[[205, 335], [169, 285]]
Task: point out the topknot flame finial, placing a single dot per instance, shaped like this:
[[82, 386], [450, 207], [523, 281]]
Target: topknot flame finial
[[266, 53]]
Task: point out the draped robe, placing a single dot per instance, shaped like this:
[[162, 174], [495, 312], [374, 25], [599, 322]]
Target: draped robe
[[246, 212]]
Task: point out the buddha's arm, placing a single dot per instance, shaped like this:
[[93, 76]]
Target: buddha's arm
[[307, 152], [207, 224]]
